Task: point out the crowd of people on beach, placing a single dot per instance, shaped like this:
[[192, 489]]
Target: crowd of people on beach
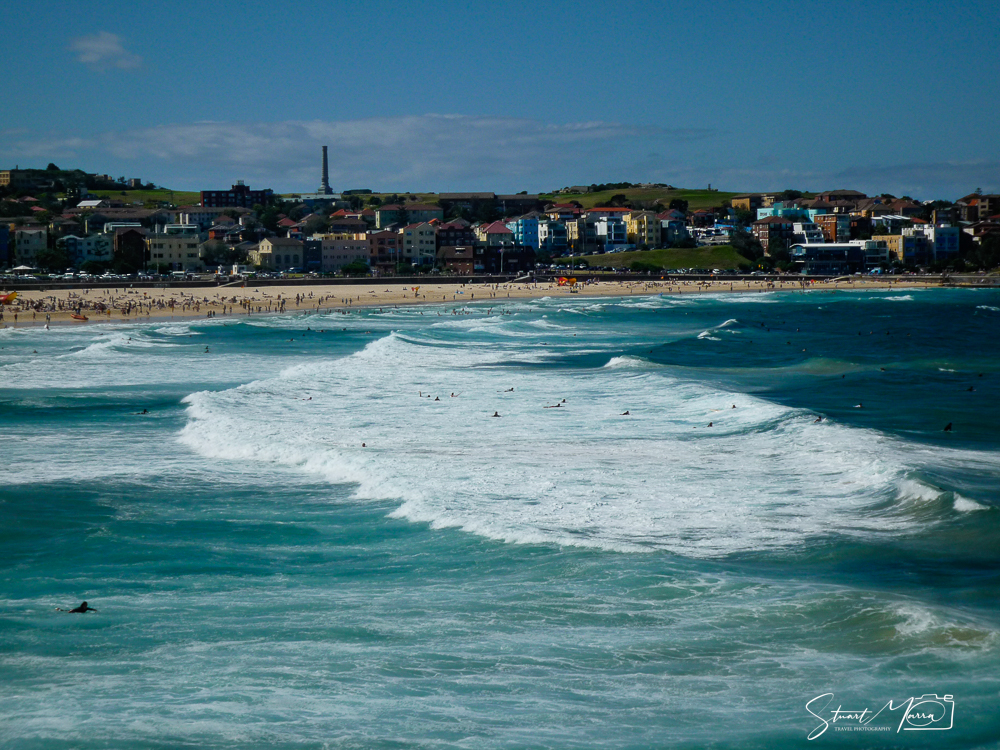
[[107, 304]]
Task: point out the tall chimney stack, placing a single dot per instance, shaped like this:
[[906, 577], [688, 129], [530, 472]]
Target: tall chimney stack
[[324, 187]]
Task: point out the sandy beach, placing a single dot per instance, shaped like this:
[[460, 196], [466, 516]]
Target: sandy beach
[[129, 304]]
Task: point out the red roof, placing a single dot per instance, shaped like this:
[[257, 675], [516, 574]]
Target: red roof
[[287, 223], [497, 227]]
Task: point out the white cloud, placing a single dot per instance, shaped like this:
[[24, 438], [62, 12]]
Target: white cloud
[[104, 50], [443, 152], [457, 152]]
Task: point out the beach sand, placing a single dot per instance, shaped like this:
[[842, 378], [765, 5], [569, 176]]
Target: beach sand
[[128, 304]]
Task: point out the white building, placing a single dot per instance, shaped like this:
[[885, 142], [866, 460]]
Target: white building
[[337, 250], [96, 247], [178, 252], [612, 233], [807, 233], [943, 240], [420, 243]]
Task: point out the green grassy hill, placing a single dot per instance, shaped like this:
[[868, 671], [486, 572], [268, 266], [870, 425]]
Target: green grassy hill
[[718, 256], [696, 198], [177, 197]]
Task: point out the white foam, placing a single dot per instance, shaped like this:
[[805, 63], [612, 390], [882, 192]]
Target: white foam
[[912, 489], [628, 362], [988, 307], [965, 505], [763, 476]]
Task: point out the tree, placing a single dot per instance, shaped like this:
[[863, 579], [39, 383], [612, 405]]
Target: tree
[[94, 267], [642, 266], [791, 195], [678, 204], [777, 248], [53, 258], [746, 244], [355, 268], [374, 201], [985, 254], [745, 217], [355, 202], [52, 168], [619, 200], [217, 253], [316, 225]]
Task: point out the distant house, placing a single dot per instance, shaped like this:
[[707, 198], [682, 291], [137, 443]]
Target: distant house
[[455, 233], [772, 227], [177, 252], [385, 249], [465, 201], [348, 225], [97, 247], [458, 259], [525, 229], [642, 228], [912, 249], [552, 236], [419, 243], [833, 196], [278, 254], [27, 242], [835, 227], [339, 250], [94, 203], [828, 259], [239, 195], [747, 201], [495, 234], [510, 205]]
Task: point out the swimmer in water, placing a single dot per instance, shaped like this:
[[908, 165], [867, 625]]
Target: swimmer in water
[[496, 414], [82, 609], [817, 420], [709, 424], [947, 427], [625, 414]]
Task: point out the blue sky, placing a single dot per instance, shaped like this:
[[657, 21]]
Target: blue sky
[[901, 97]]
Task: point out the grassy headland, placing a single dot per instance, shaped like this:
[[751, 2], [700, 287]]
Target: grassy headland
[[718, 256]]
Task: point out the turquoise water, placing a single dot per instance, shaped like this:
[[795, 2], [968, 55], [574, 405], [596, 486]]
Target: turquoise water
[[562, 577]]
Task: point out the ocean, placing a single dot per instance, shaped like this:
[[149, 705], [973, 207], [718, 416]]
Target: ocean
[[696, 522]]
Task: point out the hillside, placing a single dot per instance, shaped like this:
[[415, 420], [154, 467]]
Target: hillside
[[718, 256], [153, 197], [696, 198]]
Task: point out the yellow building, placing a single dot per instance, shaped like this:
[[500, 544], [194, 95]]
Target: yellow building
[[643, 228]]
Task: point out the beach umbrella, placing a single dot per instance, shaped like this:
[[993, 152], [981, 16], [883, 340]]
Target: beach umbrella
[[22, 268]]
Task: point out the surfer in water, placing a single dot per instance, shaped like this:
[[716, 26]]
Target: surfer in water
[[947, 427], [496, 414], [82, 609]]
